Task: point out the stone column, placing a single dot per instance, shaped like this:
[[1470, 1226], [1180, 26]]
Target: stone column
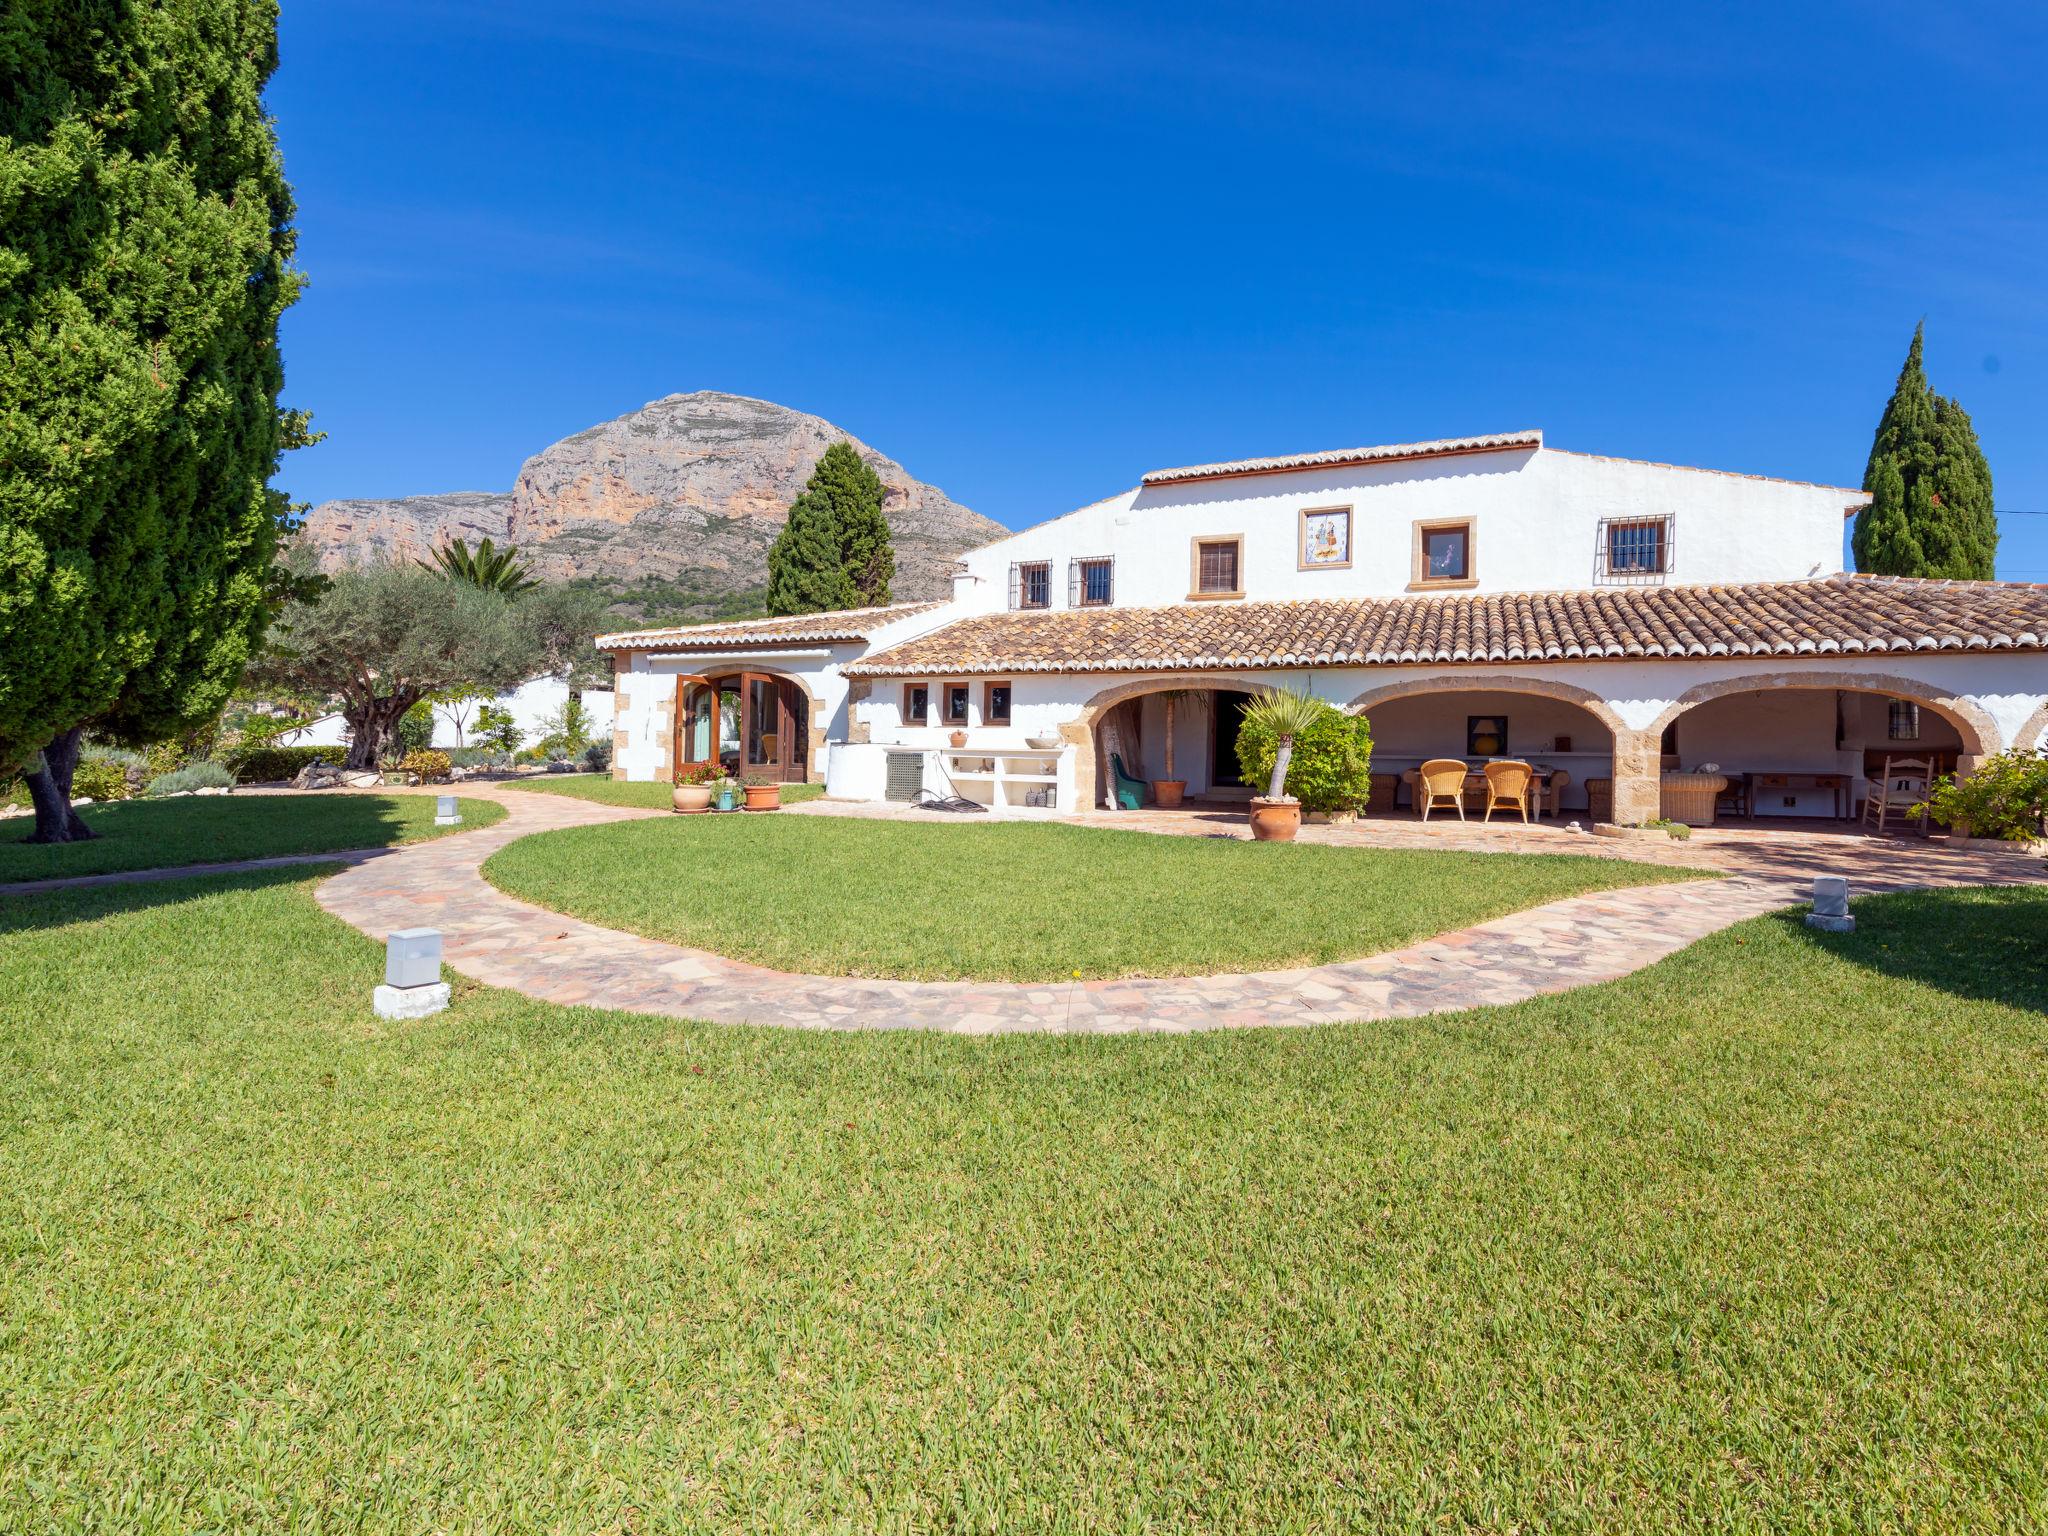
[[1638, 791], [857, 691], [1081, 737], [664, 701]]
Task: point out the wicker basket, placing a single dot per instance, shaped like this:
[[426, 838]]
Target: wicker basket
[[1689, 797], [1385, 786]]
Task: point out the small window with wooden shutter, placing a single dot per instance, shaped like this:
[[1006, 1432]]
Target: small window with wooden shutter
[[1031, 584], [1218, 567]]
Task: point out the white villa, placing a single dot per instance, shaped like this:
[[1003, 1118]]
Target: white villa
[[1610, 620]]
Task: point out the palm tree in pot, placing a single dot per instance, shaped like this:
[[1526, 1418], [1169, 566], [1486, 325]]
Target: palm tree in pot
[[1167, 792], [1276, 815]]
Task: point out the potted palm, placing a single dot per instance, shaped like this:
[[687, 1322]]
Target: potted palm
[[1276, 815], [1167, 792], [692, 793], [763, 793]]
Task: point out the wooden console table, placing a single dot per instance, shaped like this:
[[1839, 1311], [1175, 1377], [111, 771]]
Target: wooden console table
[[1842, 785]]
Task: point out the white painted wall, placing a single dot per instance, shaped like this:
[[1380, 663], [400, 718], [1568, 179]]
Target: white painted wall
[[1537, 514]]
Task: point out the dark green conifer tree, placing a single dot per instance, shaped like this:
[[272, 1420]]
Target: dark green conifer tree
[[1931, 510], [145, 247], [828, 555]]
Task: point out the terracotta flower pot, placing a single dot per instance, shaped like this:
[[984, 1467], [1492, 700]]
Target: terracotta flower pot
[[1166, 793], [1275, 821], [691, 799], [764, 797], [959, 738]]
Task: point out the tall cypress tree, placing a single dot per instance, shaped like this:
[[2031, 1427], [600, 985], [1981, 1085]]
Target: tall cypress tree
[[145, 242], [834, 552], [1931, 510]]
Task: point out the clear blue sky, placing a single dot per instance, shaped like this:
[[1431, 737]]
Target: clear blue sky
[[1034, 252]]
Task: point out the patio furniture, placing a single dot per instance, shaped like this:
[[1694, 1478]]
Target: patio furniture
[[1600, 799], [1507, 784], [1690, 797], [1839, 784], [1386, 790], [1905, 782], [1738, 799], [1130, 792], [1441, 782]]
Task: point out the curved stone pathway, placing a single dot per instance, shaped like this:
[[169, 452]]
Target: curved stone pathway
[[504, 942]]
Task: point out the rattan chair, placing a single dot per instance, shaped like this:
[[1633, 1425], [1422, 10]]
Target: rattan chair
[[1507, 784], [1439, 782], [1906, 782]]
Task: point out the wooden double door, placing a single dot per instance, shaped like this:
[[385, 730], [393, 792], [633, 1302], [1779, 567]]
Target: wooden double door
[[744, 723]]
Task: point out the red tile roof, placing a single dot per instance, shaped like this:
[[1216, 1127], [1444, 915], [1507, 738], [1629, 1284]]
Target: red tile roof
[[760, 634], [1434, 449], [1842, 615]]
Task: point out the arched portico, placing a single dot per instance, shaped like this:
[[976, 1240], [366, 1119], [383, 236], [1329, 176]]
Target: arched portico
[[1978, 730], [762, 719], [2034, 733], [1080, 732]]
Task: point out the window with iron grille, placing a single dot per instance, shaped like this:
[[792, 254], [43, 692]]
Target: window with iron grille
[[1031, 584], [1091, 583], [1905, 720], [1634, 550]]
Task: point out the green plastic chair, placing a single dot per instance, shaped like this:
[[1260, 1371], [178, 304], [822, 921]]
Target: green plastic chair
[[1130, 792]]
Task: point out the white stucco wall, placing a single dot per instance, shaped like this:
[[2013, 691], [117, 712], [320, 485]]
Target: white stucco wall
[[1536, 515], [531, 703]]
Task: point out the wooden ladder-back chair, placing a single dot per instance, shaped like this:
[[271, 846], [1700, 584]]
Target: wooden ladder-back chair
[[1507, 786], [1905, 782], [1440, 782]]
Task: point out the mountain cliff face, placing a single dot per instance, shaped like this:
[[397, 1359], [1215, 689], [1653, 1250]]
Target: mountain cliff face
[[670, 509]]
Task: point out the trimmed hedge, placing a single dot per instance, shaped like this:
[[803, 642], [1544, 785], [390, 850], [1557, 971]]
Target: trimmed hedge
[[261, 765]]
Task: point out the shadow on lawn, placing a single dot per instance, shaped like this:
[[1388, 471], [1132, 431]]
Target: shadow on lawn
[[90, 903], [1986, 942]]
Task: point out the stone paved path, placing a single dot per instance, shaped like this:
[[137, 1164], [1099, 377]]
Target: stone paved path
[[508, 943]]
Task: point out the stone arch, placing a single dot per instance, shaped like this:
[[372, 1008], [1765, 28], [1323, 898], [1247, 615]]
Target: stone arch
[[1079, 732], [1978, 730], [1494, 682], [2035, 732]]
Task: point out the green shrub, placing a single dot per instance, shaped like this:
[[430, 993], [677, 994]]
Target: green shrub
[[100, 778], [416, 730], [191, 776], [259, 764], [478, 757], [497, 728], [2006, 798], [1331, 769], [597, 757], [430, 765]]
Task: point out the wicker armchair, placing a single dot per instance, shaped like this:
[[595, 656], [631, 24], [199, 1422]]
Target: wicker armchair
[[1440, 782], [1507, 785]]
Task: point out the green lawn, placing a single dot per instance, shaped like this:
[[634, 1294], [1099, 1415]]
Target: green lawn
[[1751, 1241], [206, 829], [653, 796], [1019, 901]]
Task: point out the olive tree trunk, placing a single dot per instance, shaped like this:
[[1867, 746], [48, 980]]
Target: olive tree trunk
[[372, 726], [49, 787]]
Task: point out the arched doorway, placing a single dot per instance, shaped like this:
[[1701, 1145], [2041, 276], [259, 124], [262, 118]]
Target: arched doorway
[[1128, 722], [1565, 731], [744, 723]]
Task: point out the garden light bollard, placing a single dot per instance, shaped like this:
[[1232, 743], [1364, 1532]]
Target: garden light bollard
[[445, 812], [1831, 906], [413, 987]]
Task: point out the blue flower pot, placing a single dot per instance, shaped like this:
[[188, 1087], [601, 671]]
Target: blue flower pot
[[726, 799]]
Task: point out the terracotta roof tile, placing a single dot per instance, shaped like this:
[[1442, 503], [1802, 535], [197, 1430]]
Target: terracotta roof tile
[[1841, 615], [1434, 449], [805, 628]]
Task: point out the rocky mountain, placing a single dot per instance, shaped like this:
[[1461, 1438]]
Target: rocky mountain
[[670, 509]]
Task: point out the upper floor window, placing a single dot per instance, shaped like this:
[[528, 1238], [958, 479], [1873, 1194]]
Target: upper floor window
[[1325, 539], [1634, 549], [1031, 584], [1091, 583], [1443, 555], [1218, 567]]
